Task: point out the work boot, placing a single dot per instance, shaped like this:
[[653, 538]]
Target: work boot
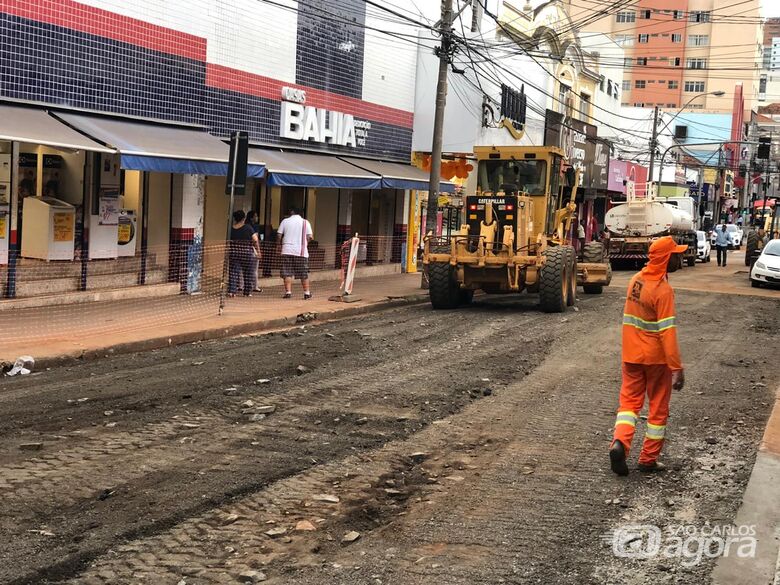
[[617, 458], [654, 467]]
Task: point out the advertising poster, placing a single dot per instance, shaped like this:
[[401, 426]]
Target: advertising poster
[[108, 209], [64, 228], [3, 226]]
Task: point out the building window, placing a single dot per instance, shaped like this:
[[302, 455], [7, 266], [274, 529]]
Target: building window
[[626, 85], [699, 16], [641, 60], [626, 16], [674, 85], [627, 62], [584, 107], [639, 104], [563, 94], [674, 61], [699, 40], [644, 38], [678, 14], [671, 105], [696, 63], [624, 40], [644, 14], [676, 38], [694, 86], [640, 84]]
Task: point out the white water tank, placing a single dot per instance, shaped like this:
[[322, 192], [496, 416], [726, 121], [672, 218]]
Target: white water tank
[[647, 218]]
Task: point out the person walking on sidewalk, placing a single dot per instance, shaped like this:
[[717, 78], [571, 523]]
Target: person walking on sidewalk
[[244, 249], [295, 233], [651, 357], [722, 243]]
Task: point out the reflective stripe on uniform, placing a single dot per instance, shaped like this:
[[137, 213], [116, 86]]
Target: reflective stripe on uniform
[[626, 417], [656, 432], [652, 326]]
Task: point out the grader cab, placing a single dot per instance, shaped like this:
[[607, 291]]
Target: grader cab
[[514, 236]]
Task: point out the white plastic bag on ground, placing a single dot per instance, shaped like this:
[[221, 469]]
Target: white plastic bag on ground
[[22, 366]]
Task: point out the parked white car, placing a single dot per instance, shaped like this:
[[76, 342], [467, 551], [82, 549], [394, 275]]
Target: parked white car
[[735, 235], [703, 246], [766, 270]]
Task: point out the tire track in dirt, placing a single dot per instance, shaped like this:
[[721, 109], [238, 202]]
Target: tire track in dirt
[[139, 469]]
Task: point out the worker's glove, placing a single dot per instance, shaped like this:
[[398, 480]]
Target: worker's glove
[[678, 379]]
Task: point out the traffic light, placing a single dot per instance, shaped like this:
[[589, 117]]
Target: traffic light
[[763, 147]]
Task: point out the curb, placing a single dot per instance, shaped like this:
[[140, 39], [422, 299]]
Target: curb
[[225, 332], [760, 507]]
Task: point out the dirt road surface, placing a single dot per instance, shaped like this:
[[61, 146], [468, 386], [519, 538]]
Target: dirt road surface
[[413, 447]]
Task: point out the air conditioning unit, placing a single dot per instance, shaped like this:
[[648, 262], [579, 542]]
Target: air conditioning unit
[[681, 132]]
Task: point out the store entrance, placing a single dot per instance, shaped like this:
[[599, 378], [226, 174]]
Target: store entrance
[[292, 197]]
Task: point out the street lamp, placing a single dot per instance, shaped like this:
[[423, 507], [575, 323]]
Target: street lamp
[[654, 139]]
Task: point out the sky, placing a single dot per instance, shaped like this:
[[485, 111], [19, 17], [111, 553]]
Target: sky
[[770, 8]]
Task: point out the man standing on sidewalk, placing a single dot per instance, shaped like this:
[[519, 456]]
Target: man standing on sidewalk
[[651, 357], [295, 233], [722, 244]]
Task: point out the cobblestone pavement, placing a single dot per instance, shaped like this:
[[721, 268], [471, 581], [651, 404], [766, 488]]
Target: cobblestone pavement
[[456, 447]]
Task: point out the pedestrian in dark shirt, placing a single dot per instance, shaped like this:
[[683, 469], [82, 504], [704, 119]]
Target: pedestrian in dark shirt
[[251, 221], [244, 251]]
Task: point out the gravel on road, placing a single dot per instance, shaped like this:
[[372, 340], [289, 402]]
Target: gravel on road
[[405, 446]]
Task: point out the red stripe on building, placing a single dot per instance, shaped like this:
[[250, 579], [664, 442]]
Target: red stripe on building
[[95, 21], [230, 79]]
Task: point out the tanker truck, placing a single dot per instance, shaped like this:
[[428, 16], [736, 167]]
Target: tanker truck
[[636, 223]]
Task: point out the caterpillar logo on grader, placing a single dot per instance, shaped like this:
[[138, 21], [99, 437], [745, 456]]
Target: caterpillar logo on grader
[[515, 234]]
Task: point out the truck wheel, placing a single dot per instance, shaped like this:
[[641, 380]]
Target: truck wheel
[[594, 253], [571, 264], [553, 281], [691, 260], [443, 288]]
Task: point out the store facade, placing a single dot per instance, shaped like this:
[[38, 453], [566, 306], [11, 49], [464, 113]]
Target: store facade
[[589, 154], [152, 98]]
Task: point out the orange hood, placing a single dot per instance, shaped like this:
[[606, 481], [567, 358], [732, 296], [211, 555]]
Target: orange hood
[[659, 254]]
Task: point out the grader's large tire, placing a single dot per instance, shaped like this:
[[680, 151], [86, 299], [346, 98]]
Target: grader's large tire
[[443, 289], [553, 281], [571, 266], [465, 296], [751, 245], [593, 253], [596, 254]]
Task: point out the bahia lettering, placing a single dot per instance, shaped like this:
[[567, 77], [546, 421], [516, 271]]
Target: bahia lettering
[[302, 122]]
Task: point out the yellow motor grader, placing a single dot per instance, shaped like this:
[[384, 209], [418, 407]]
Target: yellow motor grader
[[515, 234]]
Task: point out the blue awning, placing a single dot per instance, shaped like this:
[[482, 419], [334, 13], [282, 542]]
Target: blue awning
[[158, 164], [399, 176], [160, 147], [295, 169]]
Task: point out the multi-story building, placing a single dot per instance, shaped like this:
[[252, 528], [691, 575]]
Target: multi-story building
[[681, 51], [324, 88]]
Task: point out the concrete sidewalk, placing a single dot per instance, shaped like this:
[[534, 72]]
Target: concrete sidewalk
[[760, 508], [63, 332]]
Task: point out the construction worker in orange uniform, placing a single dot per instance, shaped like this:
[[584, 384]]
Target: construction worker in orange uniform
[[651, 357]]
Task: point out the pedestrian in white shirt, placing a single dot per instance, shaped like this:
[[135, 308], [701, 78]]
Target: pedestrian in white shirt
[[295, 233]]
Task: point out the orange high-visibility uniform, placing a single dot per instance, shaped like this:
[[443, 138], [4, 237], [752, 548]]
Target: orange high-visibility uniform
[[650, 354]]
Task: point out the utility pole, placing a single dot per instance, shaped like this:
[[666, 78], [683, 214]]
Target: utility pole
[[444, 52], [653, 146]]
